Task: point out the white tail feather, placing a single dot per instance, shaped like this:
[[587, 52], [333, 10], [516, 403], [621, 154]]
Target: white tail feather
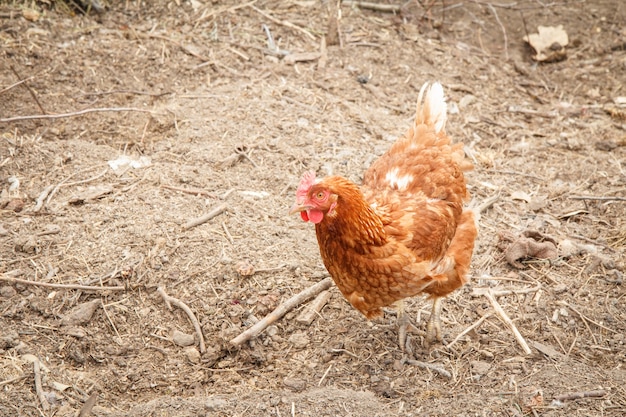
[[431, 108]]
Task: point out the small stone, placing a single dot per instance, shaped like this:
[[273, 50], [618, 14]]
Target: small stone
[[271, 331], [26, 244], [299, 340], [480, 367], [9, 339], [7, 291], [192, 354], [294, 384], [560, 288], [182, 339]]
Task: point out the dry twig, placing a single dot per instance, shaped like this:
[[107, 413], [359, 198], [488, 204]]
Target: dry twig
[[430, 366], [11, 380], [281, 310], [308, 315], [591, 197], [499, 293], [506, 320], [30, 90], [16, 84], [506, 42], [38, 388], [4, 277], [41, 200], [377, 7], [171, 300], [194, 191], [135, 92], [77, 113], [469, 329], [283, 22], [213, 13], [587, 319], [579, 395], [203, 219]]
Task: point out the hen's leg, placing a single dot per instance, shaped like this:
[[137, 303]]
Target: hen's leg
[[433, 328], [404, 325]]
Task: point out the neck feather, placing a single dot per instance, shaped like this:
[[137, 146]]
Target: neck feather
[[353, 220]]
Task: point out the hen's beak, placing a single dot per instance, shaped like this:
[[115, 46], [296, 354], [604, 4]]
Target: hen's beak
[[298, 207]]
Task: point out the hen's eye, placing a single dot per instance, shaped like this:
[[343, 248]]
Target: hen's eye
[[319, 195]]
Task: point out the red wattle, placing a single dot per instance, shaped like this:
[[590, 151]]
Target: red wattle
[[315, 216]]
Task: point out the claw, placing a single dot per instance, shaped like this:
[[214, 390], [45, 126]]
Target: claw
[[433, 328], [404, 326]]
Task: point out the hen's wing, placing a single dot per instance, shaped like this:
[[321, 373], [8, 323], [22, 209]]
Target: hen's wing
[[418, 185]]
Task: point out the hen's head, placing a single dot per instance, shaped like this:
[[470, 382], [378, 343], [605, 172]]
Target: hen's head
[[314, 200]]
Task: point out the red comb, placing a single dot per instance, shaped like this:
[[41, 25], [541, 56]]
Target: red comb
[[308, 179]]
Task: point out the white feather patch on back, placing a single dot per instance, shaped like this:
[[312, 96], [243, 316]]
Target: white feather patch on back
[[401, 182]]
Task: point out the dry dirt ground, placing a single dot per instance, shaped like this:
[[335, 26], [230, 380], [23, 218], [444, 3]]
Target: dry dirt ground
[[218, 119]]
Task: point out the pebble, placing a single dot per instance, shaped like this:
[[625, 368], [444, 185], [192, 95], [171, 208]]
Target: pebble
[[299, 340], [192, 354], [295, 384], [480, 367], [271, 331], [7, 291], [182, 339]]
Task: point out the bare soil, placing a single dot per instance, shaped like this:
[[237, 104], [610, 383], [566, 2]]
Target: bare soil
[[217, 118]]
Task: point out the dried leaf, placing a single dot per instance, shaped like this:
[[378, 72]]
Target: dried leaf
[[531, 244], [91, 193], [81, 314], [549, 43], [520, 195], [301, 57]]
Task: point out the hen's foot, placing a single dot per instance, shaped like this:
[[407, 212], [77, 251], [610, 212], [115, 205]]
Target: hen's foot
[[433, 328], [404, 327]]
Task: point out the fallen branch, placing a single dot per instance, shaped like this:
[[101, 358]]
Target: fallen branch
[[579, 395], [78, 113], [506, 320], [429, 366], [308, 315], [469, 329], [203, 219], [4, 277], [281, 310], [171, 300]]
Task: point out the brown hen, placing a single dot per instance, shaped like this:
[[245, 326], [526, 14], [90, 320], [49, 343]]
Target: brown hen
[[404, 231]]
